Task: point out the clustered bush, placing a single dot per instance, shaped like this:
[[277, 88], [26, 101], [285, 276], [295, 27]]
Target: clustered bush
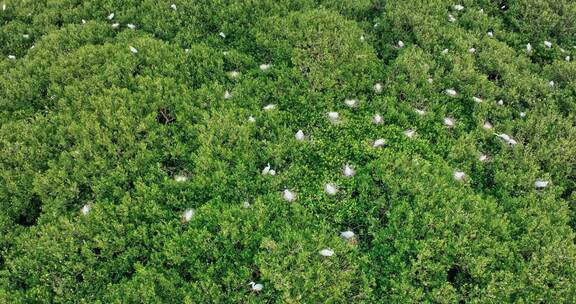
[[86, 120]]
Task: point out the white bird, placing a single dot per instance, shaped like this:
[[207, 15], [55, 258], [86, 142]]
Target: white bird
[[225, 53], [548, 44], [487, 125], [528, 48], [400, 44], [551, 83], [268, 171], [490, 34], [116, 25], [500, 102], [83, 21], [451, 18], [330, 189], [348, 171], [378, 143], [186, 50], [111, 16], [326, 252], [256, 286], [377, 88], [377, 119], [540, 184], [451, 92], [477, 99], [288, 195], [420, 112], [445, 51], [333, 116], [234, 74], [222, 35], [567, 58], [85, 209], [300, 135], [522, 114], [269, 107], [227, 95], [410, 133], [458, 7], [180, 178], [347, 234], [3, 7], [351, 102], [131, 26], [133, 50], [251, 118], [11, 57], [471, 50], [483, 157], [449, 122], [264, 66], [246, 204], [509, 140], [459, 175], [26, 36], [187, 215], [173, 6], [430, 80], [362, 39]]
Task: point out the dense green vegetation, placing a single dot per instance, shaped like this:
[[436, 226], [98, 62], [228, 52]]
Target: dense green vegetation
[[109, 133]]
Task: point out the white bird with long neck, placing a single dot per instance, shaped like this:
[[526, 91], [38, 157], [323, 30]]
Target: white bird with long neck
[[458, 7], [256, 287], [300, 135], [268, 171], [348, 171], [330, 189], [529, 48], [548, 44], [459, 175], [477, 99], [251, 118], [187, 215], [85, 209], [111, 16], [487, 125], [288, 195], [133, 50], [379, 143], [449, 122], [173, 6], [227, 95], [509, 140], [327, 252], [131, 26]]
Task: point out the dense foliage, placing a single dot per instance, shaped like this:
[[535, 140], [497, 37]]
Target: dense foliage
[[165, 106]]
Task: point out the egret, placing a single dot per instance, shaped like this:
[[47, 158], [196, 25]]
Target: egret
[[458, 7], [449, 122], [459, 175], [400, 44], [477, 99], [3, 7], [299, 135], [567, 58], [330, 189], [509, 140], [246, 204], [472, 50], [445, 51], [251, 118], [269, 107], [327, 252], [227, 95], [362, 39], [347, 234], [133, 50], [483, 157], [420, 112], [11, 57], [83, 21], [26, 36], [116, 25], [378, 143], [85, 209], [348, 171], [551, 83], [430, 80], [222, 35], [131, 26], [451, 18], [187, 215], [377, 88], [173, 6], [333, 116], [288, 195], [500, 102], [180, 178], [540, 184], [410, 133], [268, 171], [111, 16], [487, 125], [490, 34], [264, 67], [528, 48], [351, 102], [256, 286], [451, 92], [522, 114], [234, 74], [548, 44], [377, 119]]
